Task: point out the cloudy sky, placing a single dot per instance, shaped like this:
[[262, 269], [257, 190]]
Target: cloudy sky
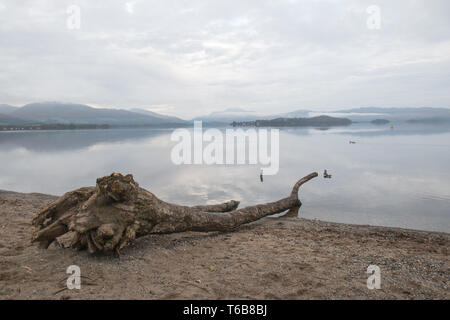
[[189, 58]]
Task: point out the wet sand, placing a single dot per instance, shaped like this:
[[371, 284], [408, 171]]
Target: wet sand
[[274, 258]]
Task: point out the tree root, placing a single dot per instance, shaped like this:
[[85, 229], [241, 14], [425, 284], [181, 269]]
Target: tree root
[[112, 214]]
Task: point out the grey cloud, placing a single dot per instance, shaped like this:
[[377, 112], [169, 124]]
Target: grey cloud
[[195, 57]]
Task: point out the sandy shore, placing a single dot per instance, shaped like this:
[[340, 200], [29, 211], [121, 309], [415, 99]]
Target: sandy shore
[[274, 258]]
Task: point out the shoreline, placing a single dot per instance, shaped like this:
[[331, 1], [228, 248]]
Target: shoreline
[[274, 258], [52, 197]]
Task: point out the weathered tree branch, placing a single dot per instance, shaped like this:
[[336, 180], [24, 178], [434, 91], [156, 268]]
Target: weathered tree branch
[[111, 215]]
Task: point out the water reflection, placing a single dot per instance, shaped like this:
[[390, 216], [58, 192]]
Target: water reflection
[[44, 141], [389, 177]]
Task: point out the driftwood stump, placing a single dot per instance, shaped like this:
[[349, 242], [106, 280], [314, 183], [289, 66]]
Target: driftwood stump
[[112, 214]]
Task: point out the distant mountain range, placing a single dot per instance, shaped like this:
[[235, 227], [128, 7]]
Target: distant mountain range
[[165, 118], [232, 114], [425, 115], [51, 113], [6, 108], [6, 119], [394, 114], [65, 113]]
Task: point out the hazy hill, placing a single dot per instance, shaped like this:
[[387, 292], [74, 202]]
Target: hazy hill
[[166, 118], [396, 114], [64, 113], [232, 114], [6, 119], [297, 114], [391, 110], [7, 109]]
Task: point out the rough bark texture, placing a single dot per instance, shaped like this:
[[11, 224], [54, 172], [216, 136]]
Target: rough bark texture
[[112, 214]]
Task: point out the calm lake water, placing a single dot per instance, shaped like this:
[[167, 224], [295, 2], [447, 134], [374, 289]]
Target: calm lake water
[[397, 177]]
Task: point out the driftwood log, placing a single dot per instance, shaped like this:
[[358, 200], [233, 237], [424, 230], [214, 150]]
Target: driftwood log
[[112, 214]]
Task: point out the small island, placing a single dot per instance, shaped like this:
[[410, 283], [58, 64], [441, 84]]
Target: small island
[[379, 121], [320, 121]]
